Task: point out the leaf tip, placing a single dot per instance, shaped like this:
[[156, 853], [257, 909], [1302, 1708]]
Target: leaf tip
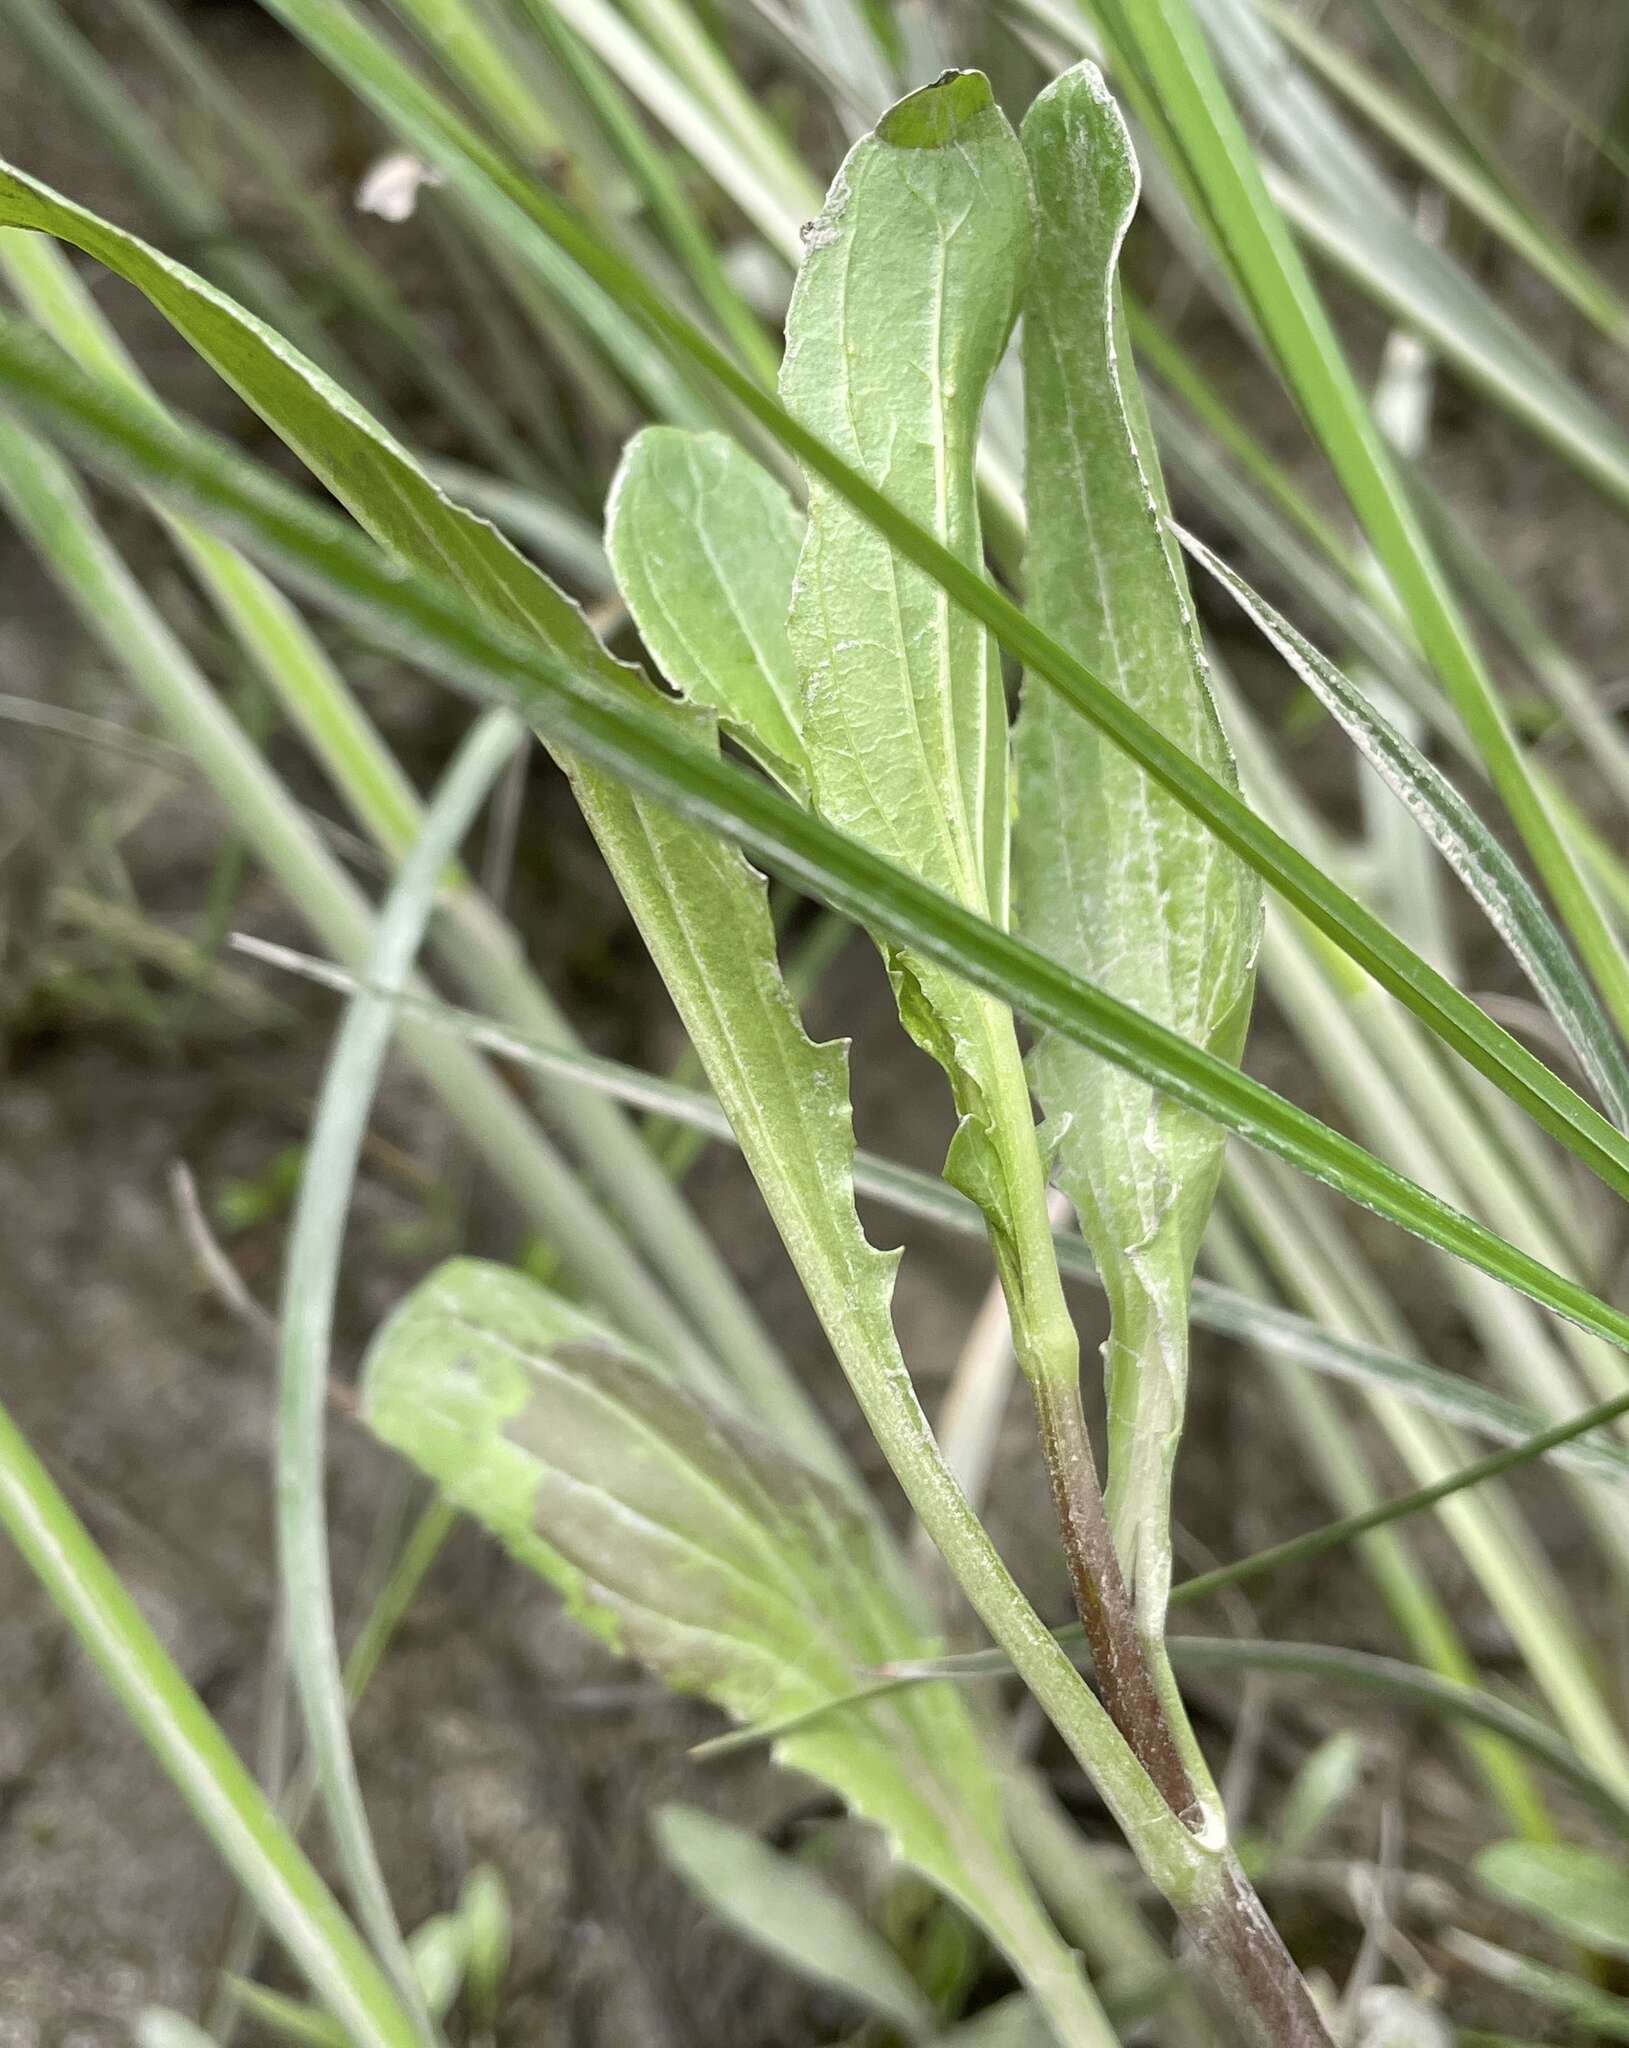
[[934, 116]]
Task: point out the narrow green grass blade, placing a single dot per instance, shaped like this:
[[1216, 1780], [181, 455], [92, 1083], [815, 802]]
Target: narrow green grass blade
[[1317, 1542], [349, 273], [1344, 1466], [1539, 243], [1386, 1677], [395, 501], [428, 621], [1333, 191], [688, 235], [1303, 1340], [482, 176], [310, 1284], [224, 1799], [1487, 871], [191, 213], [423, 1546], [54, 517]]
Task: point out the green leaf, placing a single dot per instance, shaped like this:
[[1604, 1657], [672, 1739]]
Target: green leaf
[[1494, 881], [683, 1538], [438, 1948], [1112, 875], [788, 1909], [488, 1923], [704, 546], [282, 2017], [1012, 2022], [902, 311], [158, 2027], [1579, 1891]]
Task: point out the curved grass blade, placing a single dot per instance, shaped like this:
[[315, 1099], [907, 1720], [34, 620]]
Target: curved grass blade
[[1223, 1310], [427, 621], [466, 931], [190, 1747], [1542, 244], [1411, 1685], [396, 501], [1493, 880], [310, 1284], [53, 514]]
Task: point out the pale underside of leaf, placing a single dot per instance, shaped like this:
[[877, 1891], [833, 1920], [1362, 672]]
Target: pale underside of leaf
[[686, 1540], [1111, 874]]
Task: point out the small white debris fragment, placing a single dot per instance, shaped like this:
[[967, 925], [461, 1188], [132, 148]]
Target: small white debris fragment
[[391, 186]]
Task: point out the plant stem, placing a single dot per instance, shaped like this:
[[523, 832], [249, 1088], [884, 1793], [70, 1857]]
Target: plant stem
[[1117, 1649], [1248, 1964], [1251, 1965]]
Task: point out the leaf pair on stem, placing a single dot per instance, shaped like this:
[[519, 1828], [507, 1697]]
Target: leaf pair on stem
[[883, 705], [853, 680]]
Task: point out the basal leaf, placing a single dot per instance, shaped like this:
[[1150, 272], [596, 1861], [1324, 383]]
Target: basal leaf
[[704, 545], [1111, 874], [685, 1539]]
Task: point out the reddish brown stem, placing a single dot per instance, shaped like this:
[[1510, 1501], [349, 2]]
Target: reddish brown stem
[[1248, 1961], [1123, 1676]]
